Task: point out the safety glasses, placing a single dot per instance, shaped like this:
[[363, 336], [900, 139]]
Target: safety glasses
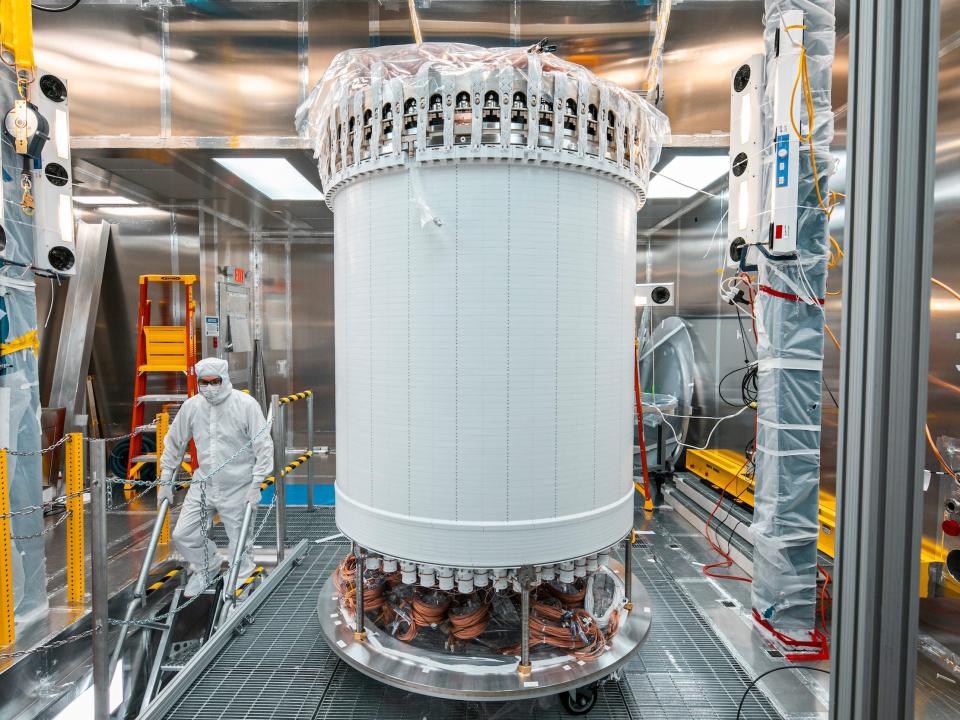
[[212, 381]]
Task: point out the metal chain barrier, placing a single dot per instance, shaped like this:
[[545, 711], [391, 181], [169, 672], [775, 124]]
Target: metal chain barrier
[[61, 441], [48, 529], [48, 646], [121, 481], [148, 485], [48, 505]]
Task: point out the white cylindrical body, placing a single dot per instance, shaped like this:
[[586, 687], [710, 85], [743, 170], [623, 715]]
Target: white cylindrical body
[[485, 206], [484, 349]]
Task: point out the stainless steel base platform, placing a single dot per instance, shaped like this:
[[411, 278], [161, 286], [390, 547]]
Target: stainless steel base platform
[[472, 675]]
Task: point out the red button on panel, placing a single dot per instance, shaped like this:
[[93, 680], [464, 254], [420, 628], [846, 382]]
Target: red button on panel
[[951, 528]]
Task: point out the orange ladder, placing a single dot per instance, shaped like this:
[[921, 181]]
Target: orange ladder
[[161, 349]]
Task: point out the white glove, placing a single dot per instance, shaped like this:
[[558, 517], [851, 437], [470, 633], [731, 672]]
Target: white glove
[[253, 494], [165, 488]]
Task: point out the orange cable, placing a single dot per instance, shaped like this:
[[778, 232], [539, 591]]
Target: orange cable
[[643, 443]]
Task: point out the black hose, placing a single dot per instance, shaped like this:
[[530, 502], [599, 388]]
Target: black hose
[[760, 677], [117, 462]]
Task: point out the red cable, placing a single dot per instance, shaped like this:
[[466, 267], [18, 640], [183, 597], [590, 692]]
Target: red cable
[[643, 443], [727, 560], [786, 296], [824, 596]]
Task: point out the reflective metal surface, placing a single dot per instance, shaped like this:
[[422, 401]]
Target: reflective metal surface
[[233, 68], [192, 73], [110, 55], [943, 389], [475, 676]]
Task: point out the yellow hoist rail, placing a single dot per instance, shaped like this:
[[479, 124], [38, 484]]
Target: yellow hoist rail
[[163, 423], [73, 484], [7, 632], [724, 470]]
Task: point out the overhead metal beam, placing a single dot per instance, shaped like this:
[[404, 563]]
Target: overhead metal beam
[[885, 338]]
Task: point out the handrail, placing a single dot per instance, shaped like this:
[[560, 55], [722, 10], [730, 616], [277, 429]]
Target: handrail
[[140, 589], [228, 594], [291, 466], [303, 395]]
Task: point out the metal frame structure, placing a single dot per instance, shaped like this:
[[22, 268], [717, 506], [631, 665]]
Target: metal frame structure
[[165, 700], [885, 337], [477, 674]]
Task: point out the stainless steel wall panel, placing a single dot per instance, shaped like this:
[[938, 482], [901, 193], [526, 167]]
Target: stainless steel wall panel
[[275, 317], [109, 53], [332, 26], [313, 351], [234, 68]]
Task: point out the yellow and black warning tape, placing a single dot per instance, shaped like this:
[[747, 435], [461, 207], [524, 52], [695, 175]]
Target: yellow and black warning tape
[[163, 580], [257, 573], [287, 399], [287, 470]]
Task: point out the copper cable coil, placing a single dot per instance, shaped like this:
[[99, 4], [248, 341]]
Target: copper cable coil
[[470, 625], [345, 582], [574, 629], [427, 614], [569, 600], [421, 613]]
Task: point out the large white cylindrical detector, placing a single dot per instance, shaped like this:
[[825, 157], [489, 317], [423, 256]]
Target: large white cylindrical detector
[[485, 263]]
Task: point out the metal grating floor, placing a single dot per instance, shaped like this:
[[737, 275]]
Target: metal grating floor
[[301, 523], [282, 669]]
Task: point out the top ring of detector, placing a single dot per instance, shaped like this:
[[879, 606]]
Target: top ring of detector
[[379, 108]]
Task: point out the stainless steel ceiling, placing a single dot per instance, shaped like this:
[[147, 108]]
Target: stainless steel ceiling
[[212, 69], [152, 84]]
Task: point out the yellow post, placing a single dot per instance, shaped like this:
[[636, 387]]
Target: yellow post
[[73, 480], [7, 634], [163, 422]]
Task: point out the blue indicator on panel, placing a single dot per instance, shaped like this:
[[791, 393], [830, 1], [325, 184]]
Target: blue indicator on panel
[[783, 159]]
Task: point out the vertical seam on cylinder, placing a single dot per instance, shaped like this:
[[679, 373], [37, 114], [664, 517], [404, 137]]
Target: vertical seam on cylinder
[[508, 347], [409, 432], [622, 267], [456, 341], [556, 354], [370, 326], [596, 322]]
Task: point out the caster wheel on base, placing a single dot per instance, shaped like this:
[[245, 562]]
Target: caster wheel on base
[[579, 701]]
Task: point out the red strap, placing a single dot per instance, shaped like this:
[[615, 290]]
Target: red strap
[[785, 296], [817, 640]]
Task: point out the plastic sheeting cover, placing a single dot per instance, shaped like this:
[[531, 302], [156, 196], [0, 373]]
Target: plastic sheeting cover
[[19, 378], [356, 70], [790, 350]]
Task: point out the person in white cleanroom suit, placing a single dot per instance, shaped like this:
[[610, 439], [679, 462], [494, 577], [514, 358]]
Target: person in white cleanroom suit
[[221, 421]]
